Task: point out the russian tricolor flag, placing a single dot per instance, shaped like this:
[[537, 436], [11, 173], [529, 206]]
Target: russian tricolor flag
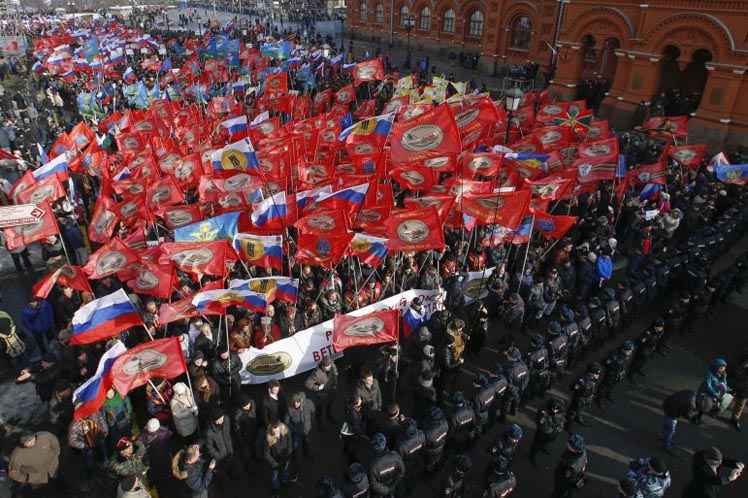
[[260, 250], [236, 156], [370, 250], [287, 290], [104, 318], [351, 196], [90, 396], [307, 197], [273, 288], [272, 208], [57, 166], [649, 191], [58, 58], [412, 321], [237, 127]]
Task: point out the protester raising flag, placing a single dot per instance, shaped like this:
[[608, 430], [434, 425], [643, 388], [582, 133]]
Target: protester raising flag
[[90, 396], [104, 318], [162, 358], [67, 276], [373, 328]]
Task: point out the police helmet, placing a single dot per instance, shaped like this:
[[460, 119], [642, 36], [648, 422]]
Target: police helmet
[[554, 328], [628, 345], [576, 442], [514, 354], [500, 463], [458, 398], [610, 293], [379, 442], [463, 463], [567, 314], [536, 341], [555, 405], [595, 368], [480, 381], [436, 413], [514, 432]]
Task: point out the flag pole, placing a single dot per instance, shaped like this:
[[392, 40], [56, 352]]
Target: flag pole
[[228, 350], [153, 386], [148, 332]]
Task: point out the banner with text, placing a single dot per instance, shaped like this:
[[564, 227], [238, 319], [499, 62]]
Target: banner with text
[[305, 349]]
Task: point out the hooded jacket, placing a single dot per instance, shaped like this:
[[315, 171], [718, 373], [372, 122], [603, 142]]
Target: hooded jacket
[[299, 420], [184, 413], [218, 442], [715, 385]]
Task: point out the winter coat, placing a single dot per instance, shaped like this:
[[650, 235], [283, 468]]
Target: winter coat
[[37, 464], [650, 485], [739, 376], [715, 385], [704, 482], [196, 477], [222, 369], [329, 381], [273, 410], [680, 404], [299, 420], [121, 467], [77, 437], [158, 448], [218, 442], [184, 414], [372, 397], [278, 450]]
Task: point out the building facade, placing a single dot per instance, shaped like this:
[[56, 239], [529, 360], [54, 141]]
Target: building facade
[[694, 47]]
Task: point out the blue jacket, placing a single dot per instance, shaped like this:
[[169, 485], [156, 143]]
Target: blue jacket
[[39, 320], [648, 485], [715, 385]]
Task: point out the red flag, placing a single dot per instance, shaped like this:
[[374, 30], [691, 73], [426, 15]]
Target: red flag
[[153, 280], [371, 70], [414, 177], [81, 135], [179, 216], [553, 226], [552, 137], [366, 109], [67, 275], [109, 259], [48, 190], [503, 208], [669, 127], [414, 230], [690, 156], [598, 130], [599, 151], [323, 221], [61, 145], [103, 221], [475, 118], [132, 209], [276, 84], [321, 250], [345, 95], [648, 173], [164, 192], [549, 188], [178, 310], [432, 134], [162, 358], [442, 203], [485, 164], [207, 258], [594, 169], [20, 236], [373, 328], [26, 181]]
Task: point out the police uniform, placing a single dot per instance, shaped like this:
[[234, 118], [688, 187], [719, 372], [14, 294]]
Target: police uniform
[[502, 480], [454, 485], [583, 393], [612, 310], [570, 474], [386, 469], [557, 349], [518, 378], [645, 347], [599, 321], [436, 432], [550, 422], [573, 336], [463, 423], [410, 447], [615, 371], [490, 391], [537, 363]]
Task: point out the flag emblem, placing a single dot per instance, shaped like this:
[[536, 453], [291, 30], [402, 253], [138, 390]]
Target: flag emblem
[[413, 177], [422, 138], [104, 221], [237, 182], [366, 72], [437, 162], [177, 217], [234, 159], [321, 222], [466, 117], [143, 361], [552, 110], [41, 194], [369, 216], [146, 279], [480, 162], [368, 327], [596, 150], [412, 231], [323, 248], [193, 257], [584, 169], [111, 262]]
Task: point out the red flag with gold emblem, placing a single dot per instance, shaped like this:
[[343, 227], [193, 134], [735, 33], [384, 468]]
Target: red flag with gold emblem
[[373, 328], [414, 230], [322, 250], [432, 134], [502, 208], [20, 236], [371, 70], [109, 259]]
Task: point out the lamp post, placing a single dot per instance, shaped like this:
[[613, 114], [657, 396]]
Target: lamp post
[[512, 100], [409, 23]]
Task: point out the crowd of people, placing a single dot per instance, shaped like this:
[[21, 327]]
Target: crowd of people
[[403, 410]]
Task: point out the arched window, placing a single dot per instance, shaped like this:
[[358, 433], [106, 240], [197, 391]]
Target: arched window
[[380, 13], [404, 16], [364, 12], [449, 21], [425, 23], [476, 24], [521, 33]]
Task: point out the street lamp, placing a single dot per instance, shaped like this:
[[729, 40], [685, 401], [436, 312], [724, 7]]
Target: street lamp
[[512, 100], [409, 23]]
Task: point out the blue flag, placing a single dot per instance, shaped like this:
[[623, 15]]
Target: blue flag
[[217, 228], [732, 173]]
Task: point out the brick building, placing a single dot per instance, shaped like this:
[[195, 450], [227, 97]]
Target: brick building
[[699, 47]]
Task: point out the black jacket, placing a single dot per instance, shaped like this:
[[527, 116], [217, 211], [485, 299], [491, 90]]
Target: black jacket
[[705, 483], [273, 410], [218, 442], [385, 473], [278, 453], [681, 404]]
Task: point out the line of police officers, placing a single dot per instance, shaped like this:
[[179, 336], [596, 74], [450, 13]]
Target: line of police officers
[[447, 420]]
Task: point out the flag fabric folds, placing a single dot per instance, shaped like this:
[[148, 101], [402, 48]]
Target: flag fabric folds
[[260, 250], [373, 328], [104, 318], [162, 358], [370, 250], [219, 227], [215, 301], [90, 396]]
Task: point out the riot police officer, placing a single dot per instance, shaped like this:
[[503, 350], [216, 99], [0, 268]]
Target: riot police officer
[[573, 336], [570, 474], [356, 483], [550, 423], [504, 450], [463, 423], [502, 481], [410, 446], [626, 298], [455, 485], [489, 392], [557, 349], [615, 371], [599, 322], [645, 347], [584, 322], [612, 310], [661, 337], [436, 431], [386, 468], [583, 393], [518, 377], [537, 363]]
